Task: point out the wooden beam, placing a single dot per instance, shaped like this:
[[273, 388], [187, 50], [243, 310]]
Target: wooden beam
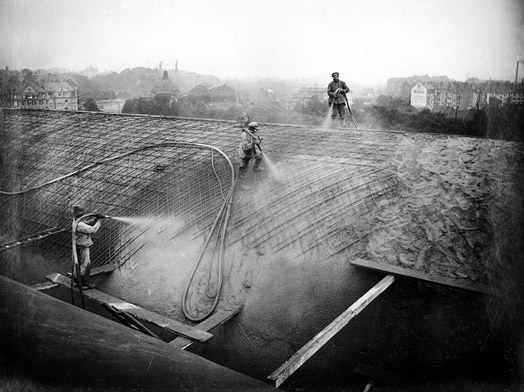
[[211, 322], [136, 311], [95, 271], [395, 270], [315, 344]]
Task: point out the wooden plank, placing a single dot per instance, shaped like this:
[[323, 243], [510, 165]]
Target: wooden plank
[[315, 344], [95, 271], [211, 322], [395, 270], [136, 311], [44, 286]]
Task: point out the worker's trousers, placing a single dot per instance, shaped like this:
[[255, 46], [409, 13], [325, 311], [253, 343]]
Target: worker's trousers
[[339, 108], [84, 261], [244, 162]]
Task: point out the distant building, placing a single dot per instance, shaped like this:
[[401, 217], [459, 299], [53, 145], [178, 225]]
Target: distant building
[[305, 94], [422, 96], [89, 72], [31, 96], [166, 88], [223, 93], [62, 95], [186, 80], [57, 95], [199, 93], [503, 92], [518, 95], [405, 90], [394, 85], [463, 95]]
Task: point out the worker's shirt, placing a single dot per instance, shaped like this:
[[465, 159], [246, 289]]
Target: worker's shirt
[[339, 98], [83, 233], [246, 148]]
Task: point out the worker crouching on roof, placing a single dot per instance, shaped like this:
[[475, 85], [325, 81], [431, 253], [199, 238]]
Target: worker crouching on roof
[[337, 91], [84, 225], [249, 140]]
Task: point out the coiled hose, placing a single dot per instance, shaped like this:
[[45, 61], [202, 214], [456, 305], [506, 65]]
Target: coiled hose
[[220, 221]]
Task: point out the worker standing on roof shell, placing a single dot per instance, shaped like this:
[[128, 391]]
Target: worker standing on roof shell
[[84, 225], [337, 91], [249, 148]]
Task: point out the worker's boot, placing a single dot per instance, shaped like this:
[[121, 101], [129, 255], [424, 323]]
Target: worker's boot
[[86, 282], [343, 122], [86, 279]]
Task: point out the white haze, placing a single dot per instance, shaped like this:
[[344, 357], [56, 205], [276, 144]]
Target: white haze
[[367, 41]]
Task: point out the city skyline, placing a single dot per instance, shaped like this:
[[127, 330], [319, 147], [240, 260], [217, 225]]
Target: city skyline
[[366, 41]]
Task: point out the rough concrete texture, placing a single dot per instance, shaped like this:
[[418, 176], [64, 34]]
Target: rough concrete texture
[[431, 203]]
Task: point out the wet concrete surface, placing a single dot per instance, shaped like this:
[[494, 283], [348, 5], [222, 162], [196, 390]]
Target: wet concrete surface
[[430, 203]]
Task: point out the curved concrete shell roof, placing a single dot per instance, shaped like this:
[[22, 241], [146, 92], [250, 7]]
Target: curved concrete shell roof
[[428, 203]]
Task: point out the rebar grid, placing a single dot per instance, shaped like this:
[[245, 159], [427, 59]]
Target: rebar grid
[[185, 187], [336, 182]]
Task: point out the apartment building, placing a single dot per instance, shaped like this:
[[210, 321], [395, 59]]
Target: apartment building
[[463, 95], [57, 95], [305, 94]]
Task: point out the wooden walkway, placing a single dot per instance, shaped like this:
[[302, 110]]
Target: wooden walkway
[[187, 334], [215, 320], [139, 313], [95, 271], [399, 271], [315, 344]]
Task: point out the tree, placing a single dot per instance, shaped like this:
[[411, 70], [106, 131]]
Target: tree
[[91, 105], [28, 75], [5, 95], [316, 108], [129, 105]]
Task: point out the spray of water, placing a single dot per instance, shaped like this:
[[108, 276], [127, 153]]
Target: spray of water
[[274, 173], [136, 221], [327, 120]]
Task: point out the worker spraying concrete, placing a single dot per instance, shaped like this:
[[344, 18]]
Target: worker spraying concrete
[[250, 147], [84, 225], [337, 90]]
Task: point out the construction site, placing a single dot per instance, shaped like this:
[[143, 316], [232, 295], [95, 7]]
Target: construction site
[[353, 260]]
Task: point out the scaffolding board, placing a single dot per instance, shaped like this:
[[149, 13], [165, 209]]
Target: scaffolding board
[[315, 344], [395, 270], [136, 311], [95, 271], [211, 322]]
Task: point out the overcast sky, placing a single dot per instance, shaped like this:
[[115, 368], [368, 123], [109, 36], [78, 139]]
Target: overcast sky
[[367, 41]]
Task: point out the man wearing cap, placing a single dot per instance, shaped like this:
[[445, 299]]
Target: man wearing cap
[[248, 148], [337, 91], [84, 225]]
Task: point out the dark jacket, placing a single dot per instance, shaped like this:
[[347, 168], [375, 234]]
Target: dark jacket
[[340, 98]]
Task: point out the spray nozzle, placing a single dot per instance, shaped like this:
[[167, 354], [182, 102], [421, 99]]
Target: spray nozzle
[[101, 216]]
